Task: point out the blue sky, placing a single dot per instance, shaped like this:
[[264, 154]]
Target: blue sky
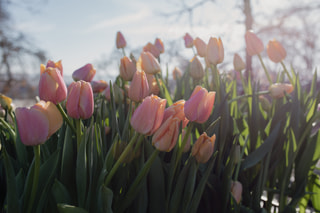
[[80, 32]]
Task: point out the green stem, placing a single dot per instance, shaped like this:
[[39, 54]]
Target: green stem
[[248, 95], [286, 71], [124, 154], [265, 69], [123, 52], [241, 155], [65, 117], [79, 132], [36, 150], [9, 128]]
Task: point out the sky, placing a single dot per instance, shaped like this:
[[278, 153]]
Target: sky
[[80, 32]]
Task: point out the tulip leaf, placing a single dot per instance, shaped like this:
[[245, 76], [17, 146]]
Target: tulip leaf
[[105, 197], [81, 173], [60, 192], [65, 208]]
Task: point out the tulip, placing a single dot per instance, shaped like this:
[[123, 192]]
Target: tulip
[[5, 102], [265, 103], [152, 49], [165, 138], [176, 110], [80, 100], [215, 51], [275, 51], [202, 150], [2, 113], [238, 63], [176, 73], [148, 63], [147, 118], [199, 106], [38, 123], [139, 88], [201, 47], [196, 69], [278, 90], [52, 86], [159, 44], [127, 68], [253, 43], [85, 73], [188, 40], [53, 64], [120, 41], [98, 86], [236, 191], [153, 85]]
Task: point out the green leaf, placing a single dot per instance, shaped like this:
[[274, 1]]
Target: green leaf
[[60, 192], [105, 197], [81, 173], [315, 197], [65, 208]]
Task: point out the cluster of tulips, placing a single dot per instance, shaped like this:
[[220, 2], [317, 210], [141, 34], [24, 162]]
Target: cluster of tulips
[[136, 145]]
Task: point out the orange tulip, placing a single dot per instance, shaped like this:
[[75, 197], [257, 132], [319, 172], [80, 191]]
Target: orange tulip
[[196, 69], [152, 49], [127, 68], [80, 100], [120, 41], [148, 63], [199, 106], [201, 47], [253, 43], [85, 73], [215, 51], [139, 88], [51, 85], [238, 63], [176, 110], [275, 51], [38, 123], [165, 138], [188, 40], [147, 118], [278, 90], [202, 150]]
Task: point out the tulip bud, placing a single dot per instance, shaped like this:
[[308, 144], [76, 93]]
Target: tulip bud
[[238, 63], [98, 86], [52, 86], [202, 150], [38, 123], [57, 65], [148, 63], [199, 106], [120, 41], [147, 118], [5, 102], [80, 100], [201, 47], [196, 70], [176, 73], [278, 90], [215, 51], [275, 51], [188, 40], [159, 44], [236, 190], [165, 138], [253, 43], [139, 88], [127, 68], [85, 73], [152, 49]]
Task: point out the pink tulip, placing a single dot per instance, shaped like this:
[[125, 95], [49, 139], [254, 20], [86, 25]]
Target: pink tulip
[[165, 138], [51, 85], [159, 44], [276, 51], [176, 73], [85, 73], [201, 47], [279, 89], [80, 100], [139, 88], [147, 118], [120, 41], [199, 106], [127, 68], [188, 40], [236, 190], [238, 63], [253, 43], [196, 69], [202, 150], [57, 65], [152, 49], [98, 86], [215, 51], [176, 110], [38, 123], [148, 63]]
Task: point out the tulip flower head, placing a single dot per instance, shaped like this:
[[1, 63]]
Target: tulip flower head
[[120, 41], [80, 100], [85, 73], [159, 44], [215, 51], [152, 49], [202, 150], [196, 69], [147, 118], [148, 63], [38, 123], [236, 191], [238, 63], [176, 73], [53, 64], [275, 51], [139, 88], [51, 85], [201, 47], [279, 90], [200, 104], [188, 40], [98, 86], [176, 110], [253, 43], [127, 68], [5, 102]]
